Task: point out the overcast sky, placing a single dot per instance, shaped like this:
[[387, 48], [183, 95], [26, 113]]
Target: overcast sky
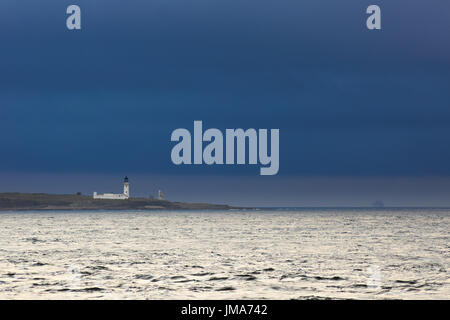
[[355, 108]]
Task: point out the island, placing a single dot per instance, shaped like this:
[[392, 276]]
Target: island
[[42, 201]]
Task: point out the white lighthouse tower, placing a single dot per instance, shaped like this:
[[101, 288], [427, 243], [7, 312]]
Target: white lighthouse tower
[[112, 196], [126, 187]]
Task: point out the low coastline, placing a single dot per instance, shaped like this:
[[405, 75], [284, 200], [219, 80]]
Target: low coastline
[[14, 201]]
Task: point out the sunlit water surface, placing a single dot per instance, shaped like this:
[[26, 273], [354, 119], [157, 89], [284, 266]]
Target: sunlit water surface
[[273, 254]]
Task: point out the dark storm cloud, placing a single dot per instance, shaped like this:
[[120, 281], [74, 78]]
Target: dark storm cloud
[[347, 101]]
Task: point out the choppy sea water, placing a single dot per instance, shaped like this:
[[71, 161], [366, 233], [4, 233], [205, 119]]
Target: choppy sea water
[[274, 254]]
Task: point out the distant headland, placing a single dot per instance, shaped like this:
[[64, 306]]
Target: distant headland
[[106, 201], [43, 201]]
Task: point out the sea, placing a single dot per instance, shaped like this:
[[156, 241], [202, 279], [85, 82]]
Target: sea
[[277, 253]]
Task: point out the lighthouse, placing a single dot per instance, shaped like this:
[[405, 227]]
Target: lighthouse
[[112, 196], [126, 187]]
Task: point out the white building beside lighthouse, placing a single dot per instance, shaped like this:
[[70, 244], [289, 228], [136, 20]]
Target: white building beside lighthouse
[[114, 196]]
